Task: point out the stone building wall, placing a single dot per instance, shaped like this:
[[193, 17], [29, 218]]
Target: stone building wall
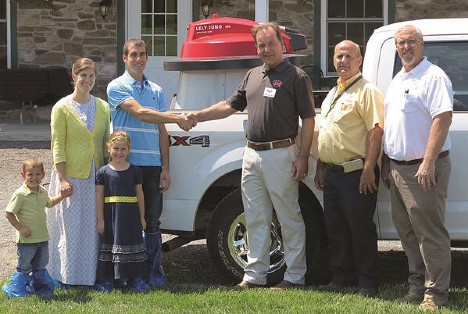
[[422, 9], [57, 36]]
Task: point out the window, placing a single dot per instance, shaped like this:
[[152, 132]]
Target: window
[[451, 57], [159, 26], [3, 35], [349, 19]]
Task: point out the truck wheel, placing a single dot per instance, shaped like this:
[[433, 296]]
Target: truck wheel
[[228, 246]]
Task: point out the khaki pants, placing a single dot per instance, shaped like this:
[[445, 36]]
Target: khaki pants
[[267, 184], [419, 219]]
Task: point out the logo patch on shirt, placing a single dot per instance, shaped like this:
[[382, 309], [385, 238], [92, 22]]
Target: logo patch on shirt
[[277, 83]]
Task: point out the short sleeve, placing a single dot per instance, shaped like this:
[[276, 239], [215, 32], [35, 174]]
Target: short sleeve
[[15, 204], [304, 95], [439, 95], [161, 101], [117, 93], [238, 100], [100, 176], [138, 175], [374, 110]]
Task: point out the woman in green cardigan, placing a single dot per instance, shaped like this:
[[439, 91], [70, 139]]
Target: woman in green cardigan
[[80, 125]]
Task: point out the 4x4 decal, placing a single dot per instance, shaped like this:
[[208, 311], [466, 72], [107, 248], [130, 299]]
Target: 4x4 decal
[[203, 140]]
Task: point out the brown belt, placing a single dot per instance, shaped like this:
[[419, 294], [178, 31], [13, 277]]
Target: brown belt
[[443, 154], [270, 145]]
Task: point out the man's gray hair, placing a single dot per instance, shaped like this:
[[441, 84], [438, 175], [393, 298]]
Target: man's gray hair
[[419, 35]]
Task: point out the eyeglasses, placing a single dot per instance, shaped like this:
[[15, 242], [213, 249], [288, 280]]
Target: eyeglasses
[[410, 42]]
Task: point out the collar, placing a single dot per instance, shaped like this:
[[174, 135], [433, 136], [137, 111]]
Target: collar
[[348, 81], [422, 66], [132, 81], [418, 69], [25, 190], [279, 68]]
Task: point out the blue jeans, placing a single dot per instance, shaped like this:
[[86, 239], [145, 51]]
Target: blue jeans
[[153, 197], [32, 256]]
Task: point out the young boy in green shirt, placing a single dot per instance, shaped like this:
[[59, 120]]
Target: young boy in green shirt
[[26, 212]]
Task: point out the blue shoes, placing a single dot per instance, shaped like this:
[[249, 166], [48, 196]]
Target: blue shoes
[[136, 285], [17, 288], [139, 285], [60, 285], [104, 285], [41, 283], [22, 284]]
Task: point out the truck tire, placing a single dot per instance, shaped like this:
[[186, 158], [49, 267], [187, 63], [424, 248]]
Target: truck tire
[[227, 245]]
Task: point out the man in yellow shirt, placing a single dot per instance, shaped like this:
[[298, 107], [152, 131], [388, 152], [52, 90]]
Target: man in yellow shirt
[[349, 142]]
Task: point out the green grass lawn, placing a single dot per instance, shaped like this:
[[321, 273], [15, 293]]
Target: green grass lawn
[[183, 298]]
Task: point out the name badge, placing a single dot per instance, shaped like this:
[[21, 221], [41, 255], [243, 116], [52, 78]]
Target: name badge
[[269, 92]]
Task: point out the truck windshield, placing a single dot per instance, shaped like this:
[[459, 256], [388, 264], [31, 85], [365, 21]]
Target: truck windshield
[[451, 57]]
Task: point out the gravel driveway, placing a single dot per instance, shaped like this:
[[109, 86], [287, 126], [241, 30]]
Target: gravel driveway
[[188, 264]]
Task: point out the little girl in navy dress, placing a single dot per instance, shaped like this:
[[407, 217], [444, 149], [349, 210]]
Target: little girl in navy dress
[[120, 213]]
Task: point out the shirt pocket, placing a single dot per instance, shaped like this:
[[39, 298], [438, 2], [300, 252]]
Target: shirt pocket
[[410, 103], [345, 110]]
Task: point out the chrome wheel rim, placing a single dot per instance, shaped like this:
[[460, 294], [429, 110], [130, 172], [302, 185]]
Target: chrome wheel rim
[[239, 243]]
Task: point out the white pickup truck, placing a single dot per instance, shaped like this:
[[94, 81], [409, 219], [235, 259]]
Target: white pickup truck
[[205, 201]]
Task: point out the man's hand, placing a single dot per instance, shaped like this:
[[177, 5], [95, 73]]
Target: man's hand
[[439, 130], [373, 146], [367, 182], [300, 168], [319, 178], [385, 172], [187, 122], [192, 116], [164, 180], [426, 175]]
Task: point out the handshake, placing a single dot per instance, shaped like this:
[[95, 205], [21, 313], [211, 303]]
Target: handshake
[[187, 121]]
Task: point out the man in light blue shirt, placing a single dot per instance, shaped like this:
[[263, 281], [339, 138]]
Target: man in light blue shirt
[[137, 106]]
